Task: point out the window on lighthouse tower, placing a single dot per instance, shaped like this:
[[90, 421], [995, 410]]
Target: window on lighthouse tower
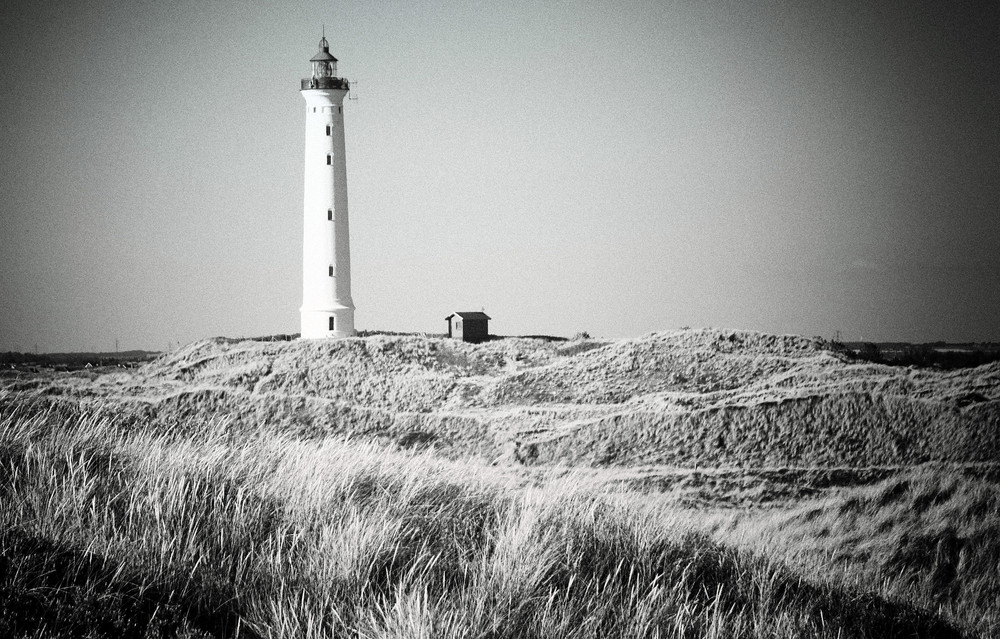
[[329, 159]]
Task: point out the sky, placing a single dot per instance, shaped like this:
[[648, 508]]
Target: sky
[[814, 168]]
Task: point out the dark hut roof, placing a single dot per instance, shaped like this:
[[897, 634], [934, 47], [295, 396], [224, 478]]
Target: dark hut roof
[[467, 315]]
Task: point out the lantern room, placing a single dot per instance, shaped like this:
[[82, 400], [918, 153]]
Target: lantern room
[[324, 64], [324, 70]]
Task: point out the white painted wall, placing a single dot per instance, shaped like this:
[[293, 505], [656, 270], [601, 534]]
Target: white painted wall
[[325, 243]]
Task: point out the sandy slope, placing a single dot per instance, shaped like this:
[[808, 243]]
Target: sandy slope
[[708, 397]]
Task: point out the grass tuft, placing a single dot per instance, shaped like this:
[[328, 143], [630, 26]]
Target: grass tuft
[[112, 533]]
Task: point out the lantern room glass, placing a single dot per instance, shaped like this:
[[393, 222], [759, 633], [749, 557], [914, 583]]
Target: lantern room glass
[[323, 69]]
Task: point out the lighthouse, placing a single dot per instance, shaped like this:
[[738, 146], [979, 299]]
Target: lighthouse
[[327, 308]]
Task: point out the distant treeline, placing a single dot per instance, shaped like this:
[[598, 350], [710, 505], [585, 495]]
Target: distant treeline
[[932, 354], [72, 361]]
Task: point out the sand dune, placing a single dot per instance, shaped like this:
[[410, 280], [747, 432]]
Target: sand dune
[[691, 397]]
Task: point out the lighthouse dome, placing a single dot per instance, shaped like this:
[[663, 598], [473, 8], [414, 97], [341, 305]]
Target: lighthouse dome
[[324, 54]]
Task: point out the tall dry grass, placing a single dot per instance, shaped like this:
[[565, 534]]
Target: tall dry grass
[[930, 536], [114, 532]]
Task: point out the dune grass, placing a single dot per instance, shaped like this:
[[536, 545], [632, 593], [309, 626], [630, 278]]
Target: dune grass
[[930, 535], [110, 532]]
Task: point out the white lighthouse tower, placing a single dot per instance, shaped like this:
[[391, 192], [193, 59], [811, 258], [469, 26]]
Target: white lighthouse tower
[[327, 308]]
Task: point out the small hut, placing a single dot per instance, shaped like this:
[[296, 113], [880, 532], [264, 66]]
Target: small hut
[[468, 326]]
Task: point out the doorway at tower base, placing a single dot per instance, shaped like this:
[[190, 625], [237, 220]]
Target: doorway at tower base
[[336, 323]]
